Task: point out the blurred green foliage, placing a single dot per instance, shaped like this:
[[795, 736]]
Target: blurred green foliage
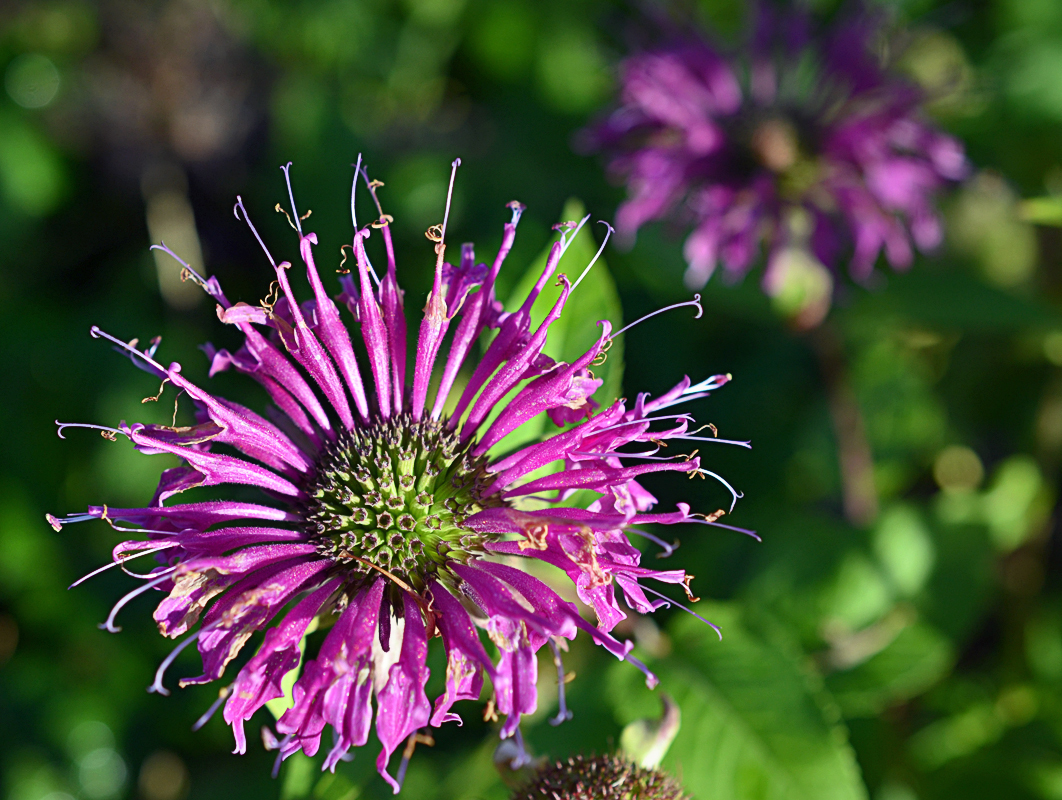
[[916, 654]]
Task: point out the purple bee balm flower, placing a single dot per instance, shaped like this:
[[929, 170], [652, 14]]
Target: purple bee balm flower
[[396, 514], [806, 142]]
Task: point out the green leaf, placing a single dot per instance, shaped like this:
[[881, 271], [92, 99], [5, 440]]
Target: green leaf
[[299, 775], [577, 330], [754, 723], [917, 658], [303, 780]]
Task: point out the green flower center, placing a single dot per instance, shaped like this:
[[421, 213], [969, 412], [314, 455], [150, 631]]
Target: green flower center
[[394, 496]]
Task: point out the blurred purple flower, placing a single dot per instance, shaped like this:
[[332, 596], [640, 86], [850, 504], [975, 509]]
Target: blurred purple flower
[[797, 140], [391, 519]]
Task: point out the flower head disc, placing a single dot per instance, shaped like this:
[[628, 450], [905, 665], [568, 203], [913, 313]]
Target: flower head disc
[[604, 777], [396, 494], [385, 520]]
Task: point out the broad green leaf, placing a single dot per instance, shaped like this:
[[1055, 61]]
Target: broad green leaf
[[303, 780], [299, 775], [917, 658], [754, 723]]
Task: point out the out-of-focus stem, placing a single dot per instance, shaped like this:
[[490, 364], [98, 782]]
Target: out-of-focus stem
[[859, 494]]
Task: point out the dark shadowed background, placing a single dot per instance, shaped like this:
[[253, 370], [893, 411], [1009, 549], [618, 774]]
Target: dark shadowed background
[[915, 652]]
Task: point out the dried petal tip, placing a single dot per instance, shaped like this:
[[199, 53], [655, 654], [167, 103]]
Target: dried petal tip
[[607, 777]]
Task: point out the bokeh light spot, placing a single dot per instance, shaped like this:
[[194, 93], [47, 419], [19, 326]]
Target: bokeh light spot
[[958, 469], [101, 773], [32, 80], [1053, 348], [163, 776], [904, 547]]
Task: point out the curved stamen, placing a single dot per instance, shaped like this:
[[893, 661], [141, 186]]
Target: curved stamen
[[109, 624], [353, 191], [648, 455], [671, 602], [643, 421], [161, 246], [120, 562], [746, 445], [734, 528], [189, 274], [108, 433], [568, 236], [597, 255], [156, 685], [695, 302], [449, 196], [668, 548], [563, 712], [372, 186], [115, 526], [736, 495], [709, 384], [98, 333], [236, 209], [223, 695], [57, 523], [286, 169]]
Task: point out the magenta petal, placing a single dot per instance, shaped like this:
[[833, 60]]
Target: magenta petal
[[259, 681], [214, 469], [247, 607], [402, 705], [333, 333]]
